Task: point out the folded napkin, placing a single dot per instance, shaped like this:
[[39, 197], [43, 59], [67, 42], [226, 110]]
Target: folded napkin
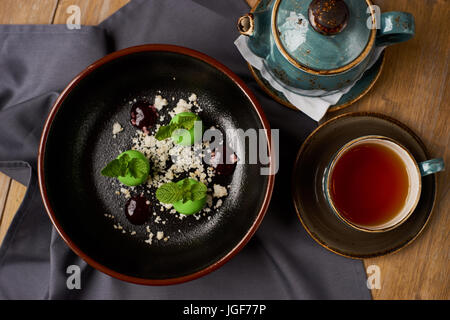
[[313, 103], [281, 261]]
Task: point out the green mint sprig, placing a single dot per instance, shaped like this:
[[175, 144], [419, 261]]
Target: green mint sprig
[[187, 190], [125, 165], [184, 122]]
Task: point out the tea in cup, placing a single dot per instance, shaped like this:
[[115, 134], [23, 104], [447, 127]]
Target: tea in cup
[[373, 183]]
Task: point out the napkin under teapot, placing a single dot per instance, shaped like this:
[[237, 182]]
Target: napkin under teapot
[[308, 102]]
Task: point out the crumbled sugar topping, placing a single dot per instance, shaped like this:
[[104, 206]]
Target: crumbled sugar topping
[[160, 102], [159, 235], [182, 106], [116, 128], [219, 191], [209, 200], [218, 204], [150, 238], [126, 192], [193, 97]]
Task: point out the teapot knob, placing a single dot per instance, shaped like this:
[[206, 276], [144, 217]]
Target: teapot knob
[[328, 17]]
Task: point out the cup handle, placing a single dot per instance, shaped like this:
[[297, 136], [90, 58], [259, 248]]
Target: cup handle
[[431, 166], [395, 27]]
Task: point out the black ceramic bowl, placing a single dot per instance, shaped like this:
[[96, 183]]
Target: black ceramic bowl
[[77, 142]]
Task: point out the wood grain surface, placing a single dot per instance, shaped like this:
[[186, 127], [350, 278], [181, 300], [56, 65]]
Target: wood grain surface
[[413, 88]]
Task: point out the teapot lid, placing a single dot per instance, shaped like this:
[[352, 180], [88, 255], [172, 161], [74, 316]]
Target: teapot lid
[[323, 36]]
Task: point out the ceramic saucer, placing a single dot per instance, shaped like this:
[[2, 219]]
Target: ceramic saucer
[[319, 221], [359, 90]]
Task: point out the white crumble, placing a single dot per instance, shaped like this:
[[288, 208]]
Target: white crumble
[[209, 200], [193, 97], [218, 204], [182, 106], [150, 238], [116, 128], [126, 192], [219, 191], [160, 102], [159, 235]]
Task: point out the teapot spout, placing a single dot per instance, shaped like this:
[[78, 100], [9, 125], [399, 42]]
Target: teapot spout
[[246, 24]]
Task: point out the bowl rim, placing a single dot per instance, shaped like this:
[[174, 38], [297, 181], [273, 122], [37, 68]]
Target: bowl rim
[[68, 89]]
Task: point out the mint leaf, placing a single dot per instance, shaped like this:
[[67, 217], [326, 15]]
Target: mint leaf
[[117, 167], [177, 135], [193, 190], [186, 185], [124, 165], [186, 190], [186, 196], [185, 121], [165, 132], [112, 169], [137, 168], [198, 191], [169, 193], [124, 160]]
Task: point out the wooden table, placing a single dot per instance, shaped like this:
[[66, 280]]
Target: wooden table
[[413, 88]]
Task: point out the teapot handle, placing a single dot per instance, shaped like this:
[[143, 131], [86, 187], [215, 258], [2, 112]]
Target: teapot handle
[[395, 27]]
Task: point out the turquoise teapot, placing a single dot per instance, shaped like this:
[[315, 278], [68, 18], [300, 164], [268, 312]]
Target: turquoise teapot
[[321, 46]]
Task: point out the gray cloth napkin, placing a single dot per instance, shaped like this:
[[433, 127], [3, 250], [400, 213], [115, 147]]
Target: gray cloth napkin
[[36, 62]]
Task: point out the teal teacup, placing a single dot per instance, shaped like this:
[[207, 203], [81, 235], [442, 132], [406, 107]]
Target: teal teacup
[[373, 183]]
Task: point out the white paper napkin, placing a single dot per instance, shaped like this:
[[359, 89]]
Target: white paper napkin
[[310, 102]]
